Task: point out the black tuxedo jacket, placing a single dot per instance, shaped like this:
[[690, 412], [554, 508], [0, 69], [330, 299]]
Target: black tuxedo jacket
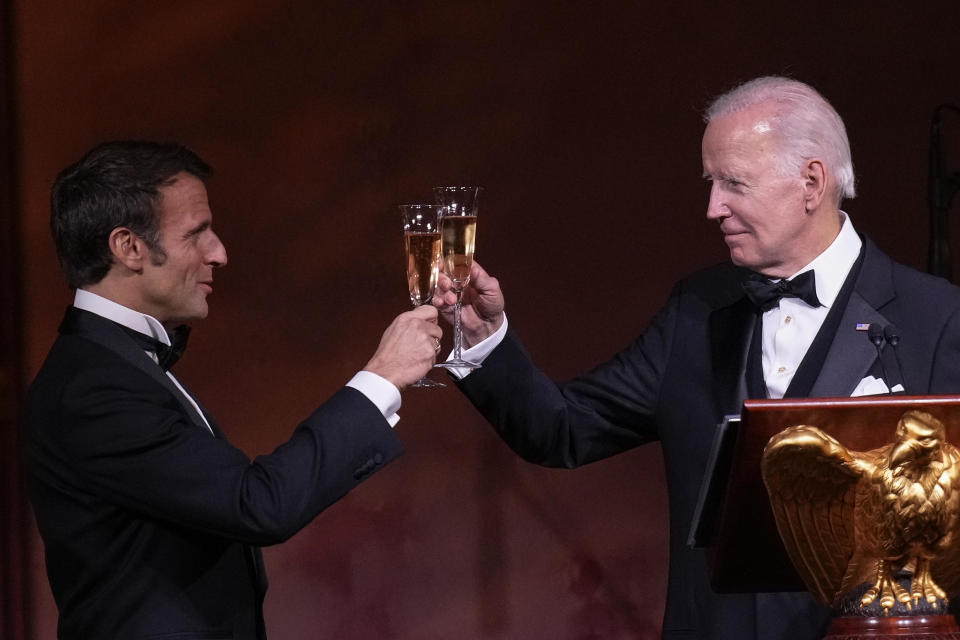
[[675, 383], [152, 525]]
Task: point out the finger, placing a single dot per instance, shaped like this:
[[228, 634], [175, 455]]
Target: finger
[[481, 278], [444, 282], [476, 270], [425, 312], [443, 300]]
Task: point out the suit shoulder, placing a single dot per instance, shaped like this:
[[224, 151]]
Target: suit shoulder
[[717, 285], [913, 283], [911, 276], [71, 352], [906, 281], [74, 360]]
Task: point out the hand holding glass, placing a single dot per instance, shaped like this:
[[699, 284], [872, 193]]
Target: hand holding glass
[[421, 240], [459, 231]]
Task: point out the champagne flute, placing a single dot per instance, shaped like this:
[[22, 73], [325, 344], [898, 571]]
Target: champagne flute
[[459, 231], [421, 241]]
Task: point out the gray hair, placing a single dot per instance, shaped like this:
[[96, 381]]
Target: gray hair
[[807, 125]]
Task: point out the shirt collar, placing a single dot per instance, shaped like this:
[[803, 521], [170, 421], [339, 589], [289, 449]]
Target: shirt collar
[[833, 265], [120, 314]]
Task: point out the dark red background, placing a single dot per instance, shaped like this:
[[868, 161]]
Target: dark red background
[[582, 120]]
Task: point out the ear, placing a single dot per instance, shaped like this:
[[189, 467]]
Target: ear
[[128, 249], [814, 184]]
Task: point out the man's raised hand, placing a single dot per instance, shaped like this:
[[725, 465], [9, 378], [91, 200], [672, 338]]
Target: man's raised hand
[[408, 347], [481, 313]]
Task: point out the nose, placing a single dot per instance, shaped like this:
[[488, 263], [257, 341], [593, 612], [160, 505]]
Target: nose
[[716, 209], [217, 253]]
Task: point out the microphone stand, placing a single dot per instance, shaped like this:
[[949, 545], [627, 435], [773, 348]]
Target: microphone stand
[[942, 187]]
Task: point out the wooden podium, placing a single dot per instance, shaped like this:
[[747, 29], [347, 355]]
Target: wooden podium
[[894, 628], [740, 532]]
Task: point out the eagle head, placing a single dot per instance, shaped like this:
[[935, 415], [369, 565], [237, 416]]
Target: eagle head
[[920, 438]]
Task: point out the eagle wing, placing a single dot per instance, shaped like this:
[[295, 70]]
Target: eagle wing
[[946, 565], [811, 480]]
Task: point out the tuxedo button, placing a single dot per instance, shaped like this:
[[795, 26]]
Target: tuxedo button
[[378, 458], [787, 320], [781, 369], [363, 470]]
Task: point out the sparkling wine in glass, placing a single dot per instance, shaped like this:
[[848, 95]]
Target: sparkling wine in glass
[[421, 243], [459, 233]]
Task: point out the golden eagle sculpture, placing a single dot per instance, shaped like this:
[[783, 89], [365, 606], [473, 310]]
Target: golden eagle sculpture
[[856, 523]]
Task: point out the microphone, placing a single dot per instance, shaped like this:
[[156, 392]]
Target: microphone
[[875, 333], [892, 335]]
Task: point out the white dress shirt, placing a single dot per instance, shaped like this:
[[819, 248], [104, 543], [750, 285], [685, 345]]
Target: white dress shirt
[[380, 391], [788, 329], [479, 352]]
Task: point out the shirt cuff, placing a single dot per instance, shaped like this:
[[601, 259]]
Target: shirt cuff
[[479, 352], [380, 392]]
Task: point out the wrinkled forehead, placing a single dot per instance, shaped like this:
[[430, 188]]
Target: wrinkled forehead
[[739, 141], [752, 125], [183, 201]]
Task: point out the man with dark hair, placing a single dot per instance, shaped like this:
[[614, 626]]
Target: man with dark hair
[[150, 518], [114, 185], [781, 319]]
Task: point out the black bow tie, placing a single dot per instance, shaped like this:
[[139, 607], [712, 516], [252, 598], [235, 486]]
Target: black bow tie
[[167, 355], [766, 295]]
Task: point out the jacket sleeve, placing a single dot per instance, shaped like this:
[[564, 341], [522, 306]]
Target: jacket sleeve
[[125, 440], [608, 410]]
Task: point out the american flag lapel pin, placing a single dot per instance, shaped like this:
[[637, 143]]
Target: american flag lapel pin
[[863, 326]]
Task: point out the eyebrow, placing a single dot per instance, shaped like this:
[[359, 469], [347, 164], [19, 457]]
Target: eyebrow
[[719, 176], [200, 228]]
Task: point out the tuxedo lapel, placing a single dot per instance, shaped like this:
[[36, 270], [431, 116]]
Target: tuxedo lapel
[[110, 336], [849, 359], [217, 433], [851, 354], [731, 329]]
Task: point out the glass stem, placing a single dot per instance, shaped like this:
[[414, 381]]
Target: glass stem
[[456, 328]]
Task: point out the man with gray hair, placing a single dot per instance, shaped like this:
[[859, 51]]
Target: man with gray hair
[[779, 321]]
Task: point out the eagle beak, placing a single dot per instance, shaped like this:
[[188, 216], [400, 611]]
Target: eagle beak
[[903, 452]]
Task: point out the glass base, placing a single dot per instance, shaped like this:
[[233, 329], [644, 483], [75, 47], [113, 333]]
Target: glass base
[[458, 364], [427, 382]]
